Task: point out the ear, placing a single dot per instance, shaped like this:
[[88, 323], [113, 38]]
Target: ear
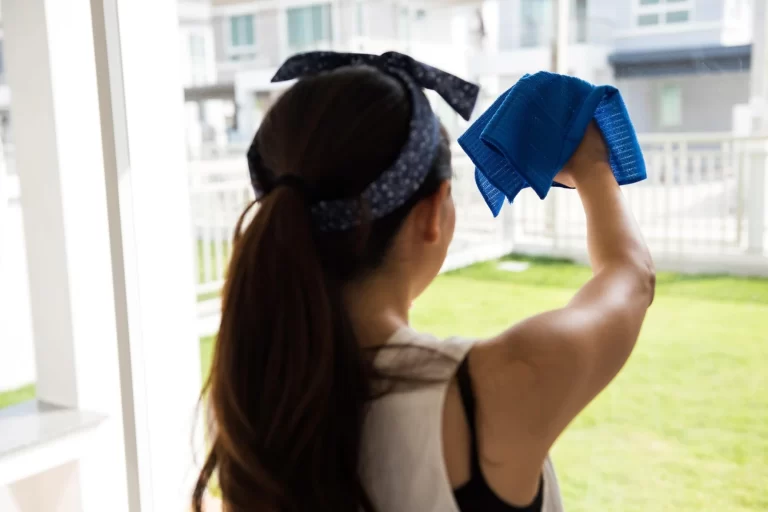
[[430, 212]]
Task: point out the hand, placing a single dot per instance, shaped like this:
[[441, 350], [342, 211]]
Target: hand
[[591, 152]]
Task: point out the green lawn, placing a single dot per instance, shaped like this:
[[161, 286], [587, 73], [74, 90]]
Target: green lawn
[[17, 395], [685, 425]]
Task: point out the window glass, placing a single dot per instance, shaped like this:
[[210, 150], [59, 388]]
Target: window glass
[[648, 19], [241, 30], [671, 106], [658, 12], [677, 16], [535, 18], [17, 352], [309, 27]]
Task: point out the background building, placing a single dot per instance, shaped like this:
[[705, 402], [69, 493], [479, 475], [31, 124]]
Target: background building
[[683, 66]]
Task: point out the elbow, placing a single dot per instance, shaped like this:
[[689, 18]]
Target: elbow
[[646, 273], [641, 277]]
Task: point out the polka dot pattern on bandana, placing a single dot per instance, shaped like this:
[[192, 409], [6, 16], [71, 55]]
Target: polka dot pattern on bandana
[[395, 185]]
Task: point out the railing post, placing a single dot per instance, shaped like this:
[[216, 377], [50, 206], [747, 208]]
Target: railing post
[[758, 102], [508, 226], [756, 207]]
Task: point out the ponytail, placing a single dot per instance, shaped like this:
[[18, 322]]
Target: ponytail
[[289, 384]]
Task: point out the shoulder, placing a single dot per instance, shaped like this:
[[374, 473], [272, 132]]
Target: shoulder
[[423, 355]]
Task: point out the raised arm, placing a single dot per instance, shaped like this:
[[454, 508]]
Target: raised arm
[[533, 379]]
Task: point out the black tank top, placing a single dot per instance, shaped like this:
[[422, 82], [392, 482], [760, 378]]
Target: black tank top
[[476, 495]]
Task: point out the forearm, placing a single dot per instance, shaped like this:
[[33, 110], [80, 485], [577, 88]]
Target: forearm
[[613, 236]]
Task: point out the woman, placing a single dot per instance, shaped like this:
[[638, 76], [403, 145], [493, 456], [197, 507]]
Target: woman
[[323, 397]]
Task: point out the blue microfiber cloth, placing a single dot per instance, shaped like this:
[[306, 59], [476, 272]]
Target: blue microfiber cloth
[[530, 132]]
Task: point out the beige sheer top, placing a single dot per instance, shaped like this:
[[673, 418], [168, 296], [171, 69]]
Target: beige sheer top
[[402, 461]]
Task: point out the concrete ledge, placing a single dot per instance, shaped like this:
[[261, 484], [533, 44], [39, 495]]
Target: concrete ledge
[[36, 436]]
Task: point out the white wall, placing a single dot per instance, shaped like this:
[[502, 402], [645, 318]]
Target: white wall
[[702, 111]]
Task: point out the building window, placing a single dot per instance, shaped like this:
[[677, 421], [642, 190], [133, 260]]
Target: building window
[[581, 21], [309, 28], [652, 13], [677, 16], [241, 31], [360, 19], [196, 47], [2, 64], [670, 106], [645, 20], [535, 18]]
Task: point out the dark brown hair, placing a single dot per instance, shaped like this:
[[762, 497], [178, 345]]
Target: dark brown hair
[[289, 386]]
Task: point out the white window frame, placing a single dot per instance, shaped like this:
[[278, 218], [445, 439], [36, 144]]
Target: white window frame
[[661, 9]]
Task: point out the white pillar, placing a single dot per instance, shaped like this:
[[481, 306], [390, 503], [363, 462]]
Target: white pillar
[[49, 56], [757, 208], [141, 102], [563, 24]]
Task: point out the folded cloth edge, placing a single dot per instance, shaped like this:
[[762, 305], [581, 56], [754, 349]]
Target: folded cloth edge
[[574, 133]]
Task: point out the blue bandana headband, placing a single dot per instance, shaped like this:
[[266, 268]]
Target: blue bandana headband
[[395, 185]]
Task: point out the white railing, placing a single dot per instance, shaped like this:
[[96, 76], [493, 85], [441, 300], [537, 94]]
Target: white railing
[[220, 191], [703, 207]]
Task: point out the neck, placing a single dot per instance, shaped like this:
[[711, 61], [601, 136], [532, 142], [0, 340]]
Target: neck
[[377, 306]]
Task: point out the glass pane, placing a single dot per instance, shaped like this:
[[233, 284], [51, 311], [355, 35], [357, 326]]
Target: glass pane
[[318, 23], [581, 20], [677, 16], [249, 39], [649, 2], [17, 353], [328, 24], [648, 19], [360, 18], [534, 20], [296, 32], [671, 106], [234, 30]]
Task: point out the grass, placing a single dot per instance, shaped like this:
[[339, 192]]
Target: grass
[[685, 425], [15, 396]]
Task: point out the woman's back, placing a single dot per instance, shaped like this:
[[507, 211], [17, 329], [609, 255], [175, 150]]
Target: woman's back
[[409, 433]]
